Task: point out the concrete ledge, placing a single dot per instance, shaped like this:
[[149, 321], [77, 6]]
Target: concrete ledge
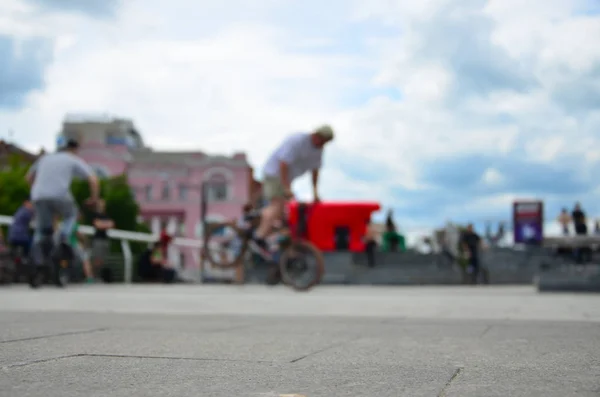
[[569, 278]]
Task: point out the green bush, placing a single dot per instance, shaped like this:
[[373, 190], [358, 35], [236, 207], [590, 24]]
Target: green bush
[[14, 186]]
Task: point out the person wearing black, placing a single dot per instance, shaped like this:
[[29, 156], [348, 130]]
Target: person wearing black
[[471, 244], [370, 240], [100, 243], [149, 265], [579, 220], [582, 254], [391, 232]]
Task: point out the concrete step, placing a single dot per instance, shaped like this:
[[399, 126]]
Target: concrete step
[[569, 278]]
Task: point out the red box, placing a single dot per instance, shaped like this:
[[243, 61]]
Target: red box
[[322, 219]]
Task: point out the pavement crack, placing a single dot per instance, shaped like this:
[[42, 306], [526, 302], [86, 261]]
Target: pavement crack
[[457, 372], [486, 330], [41, 360], [171, 358], [324, 349], [87, 331]]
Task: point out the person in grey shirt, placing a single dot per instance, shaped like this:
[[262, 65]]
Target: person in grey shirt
[[50, 178], [296, 155]]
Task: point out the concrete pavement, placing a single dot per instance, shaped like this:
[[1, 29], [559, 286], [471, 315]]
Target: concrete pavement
[[333, 341]]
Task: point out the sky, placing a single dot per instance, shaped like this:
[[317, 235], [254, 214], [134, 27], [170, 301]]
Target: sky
[[443, 109]]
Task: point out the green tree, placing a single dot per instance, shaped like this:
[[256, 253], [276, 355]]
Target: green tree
[[121, 207], [13, 186], [120, 203]]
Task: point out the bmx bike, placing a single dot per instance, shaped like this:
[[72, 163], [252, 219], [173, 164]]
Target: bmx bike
[[15, 264], [55, 265], [299, 261], [6, 265]]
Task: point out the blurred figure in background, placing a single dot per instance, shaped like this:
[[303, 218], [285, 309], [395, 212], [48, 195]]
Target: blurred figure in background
[[78, 243], [370, 240], [579, 220], [150, 264], [582, 254], [19, 235], [392, 240], [564, 219], [100, 243], [472, 245]]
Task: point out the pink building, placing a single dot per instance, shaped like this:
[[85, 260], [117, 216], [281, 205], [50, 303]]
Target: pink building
[[167, 185]]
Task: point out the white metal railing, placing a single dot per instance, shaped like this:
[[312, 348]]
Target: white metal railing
[[125, 237]]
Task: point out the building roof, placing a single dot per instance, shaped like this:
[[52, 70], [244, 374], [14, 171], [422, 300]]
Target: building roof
[[8, 149], [186, 158]]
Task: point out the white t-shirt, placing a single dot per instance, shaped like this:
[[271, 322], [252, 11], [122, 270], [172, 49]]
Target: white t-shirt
[[54, 173], [298, 152]]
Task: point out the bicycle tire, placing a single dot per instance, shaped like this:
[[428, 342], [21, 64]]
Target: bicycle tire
[[319, 260], [61, 265], [37, 276], [60, 274], [237, 258]]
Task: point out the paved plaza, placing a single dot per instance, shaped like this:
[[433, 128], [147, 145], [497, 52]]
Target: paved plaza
[[200, 340]]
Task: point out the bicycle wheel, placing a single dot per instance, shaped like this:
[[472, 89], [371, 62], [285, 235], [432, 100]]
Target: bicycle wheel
[[5, 271], [61, 262], [301, 265], [225, 245], [38, 274]]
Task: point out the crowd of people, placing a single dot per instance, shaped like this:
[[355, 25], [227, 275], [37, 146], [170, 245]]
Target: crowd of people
[[576, 219]]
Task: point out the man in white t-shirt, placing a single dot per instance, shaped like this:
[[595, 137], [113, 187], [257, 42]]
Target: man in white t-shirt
[[297, 154]]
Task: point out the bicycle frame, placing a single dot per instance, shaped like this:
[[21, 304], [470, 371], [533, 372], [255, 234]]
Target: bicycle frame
[[257, 249]]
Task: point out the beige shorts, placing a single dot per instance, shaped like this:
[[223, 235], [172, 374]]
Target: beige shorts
[[272, 188]]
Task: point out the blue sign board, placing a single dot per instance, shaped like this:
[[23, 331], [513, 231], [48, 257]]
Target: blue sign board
[[528, 222]]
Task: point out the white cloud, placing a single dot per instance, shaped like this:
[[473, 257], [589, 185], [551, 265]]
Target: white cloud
[[239, 77], [492, 176]]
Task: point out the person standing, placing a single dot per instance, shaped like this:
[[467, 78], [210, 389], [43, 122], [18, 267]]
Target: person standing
[[471, 244], [579, 220], [77, 241], [582, 253], [100, 243], [564, 219], [370, 240]]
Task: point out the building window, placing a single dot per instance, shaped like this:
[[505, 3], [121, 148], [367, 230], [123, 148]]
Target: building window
[[166, 192], [113, 138], [183, 192], [148, 192], [217, 188]]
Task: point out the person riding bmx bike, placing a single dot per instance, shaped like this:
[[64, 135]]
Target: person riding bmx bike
[[50, 178], [296, 155]]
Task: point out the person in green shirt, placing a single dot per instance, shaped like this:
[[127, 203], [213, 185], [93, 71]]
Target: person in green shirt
[[77, 242], [392, 240]]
